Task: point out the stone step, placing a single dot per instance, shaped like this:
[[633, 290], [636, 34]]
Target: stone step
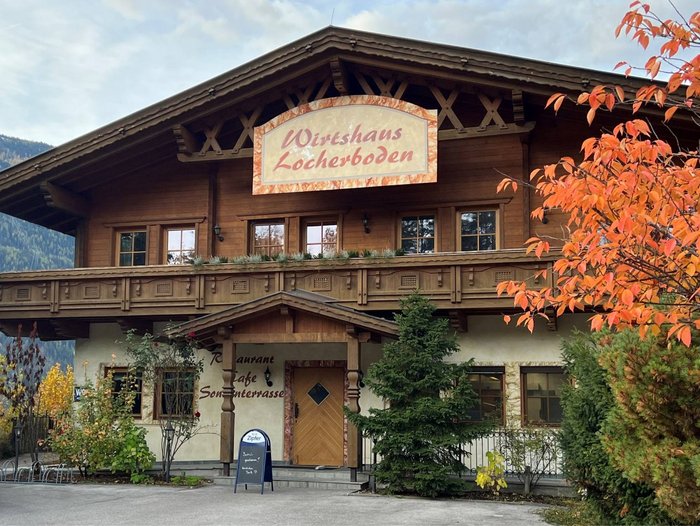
[[297, 482], [283, 476]]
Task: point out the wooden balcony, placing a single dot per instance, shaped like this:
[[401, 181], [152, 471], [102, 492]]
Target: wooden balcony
[[64, 302]]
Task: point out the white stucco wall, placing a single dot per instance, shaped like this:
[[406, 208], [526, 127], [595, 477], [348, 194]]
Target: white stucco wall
[[488, 340]]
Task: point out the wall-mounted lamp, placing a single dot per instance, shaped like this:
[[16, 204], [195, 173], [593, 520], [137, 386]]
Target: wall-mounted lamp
[[360, 380], [365, 222], [545, 219], [217, 232], [268, 376]]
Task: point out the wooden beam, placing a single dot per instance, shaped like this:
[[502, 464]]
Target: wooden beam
[[299, 337], [340, 76], [140, 325], [518, 107], [487, 131], [70, 329], [458, 320], [64, 200], [214, 156], [187, 143]]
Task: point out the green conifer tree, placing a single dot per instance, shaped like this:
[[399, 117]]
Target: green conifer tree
[[419, 436]]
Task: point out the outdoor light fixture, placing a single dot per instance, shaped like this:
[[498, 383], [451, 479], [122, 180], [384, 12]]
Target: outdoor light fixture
[[169, 434], [545, 219], [217, 232], [361, 378], [169, 431], [268, 375], [365, 222]]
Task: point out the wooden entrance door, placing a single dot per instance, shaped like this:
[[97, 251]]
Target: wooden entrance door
[[318, 410]]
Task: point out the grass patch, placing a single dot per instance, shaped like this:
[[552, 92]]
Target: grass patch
[[572, 512], [187, 480]]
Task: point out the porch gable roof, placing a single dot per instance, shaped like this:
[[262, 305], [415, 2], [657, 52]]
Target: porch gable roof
[[207, 327]]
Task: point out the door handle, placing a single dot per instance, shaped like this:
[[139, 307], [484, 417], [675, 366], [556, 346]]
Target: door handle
[[296, 410]]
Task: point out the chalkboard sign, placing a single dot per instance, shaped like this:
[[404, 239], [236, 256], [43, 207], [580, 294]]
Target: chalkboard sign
[[254, 460]]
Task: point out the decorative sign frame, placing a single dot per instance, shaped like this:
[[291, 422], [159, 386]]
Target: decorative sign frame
[[355, 141]]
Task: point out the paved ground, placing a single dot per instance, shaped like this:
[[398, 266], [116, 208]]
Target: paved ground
[[86, 504]]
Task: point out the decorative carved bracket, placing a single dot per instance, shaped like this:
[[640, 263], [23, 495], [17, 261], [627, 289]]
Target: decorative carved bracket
[[458, 320], [139, 325], [64, 200]]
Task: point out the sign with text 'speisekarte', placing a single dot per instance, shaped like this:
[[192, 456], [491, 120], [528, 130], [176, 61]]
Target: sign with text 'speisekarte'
[[355, 141]]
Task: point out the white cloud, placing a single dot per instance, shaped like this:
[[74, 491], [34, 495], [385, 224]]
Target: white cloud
[[69, 67]]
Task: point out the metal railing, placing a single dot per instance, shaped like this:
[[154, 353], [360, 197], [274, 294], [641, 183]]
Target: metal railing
[[536, 449]]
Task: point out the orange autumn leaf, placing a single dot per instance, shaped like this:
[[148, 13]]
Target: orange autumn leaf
[[631, 220]]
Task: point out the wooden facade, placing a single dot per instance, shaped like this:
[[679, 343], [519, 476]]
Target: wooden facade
[[184, 166]]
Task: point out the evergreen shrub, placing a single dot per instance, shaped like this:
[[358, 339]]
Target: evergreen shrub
[[587, 403], [419, 435]]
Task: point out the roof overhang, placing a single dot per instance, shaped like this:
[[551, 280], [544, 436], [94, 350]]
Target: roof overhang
[[71, 167], [212, 328]]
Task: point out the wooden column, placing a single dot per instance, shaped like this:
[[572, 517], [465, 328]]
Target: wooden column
[[353, 368], [228, 413]]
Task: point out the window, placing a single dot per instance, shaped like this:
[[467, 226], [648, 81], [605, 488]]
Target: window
[[477, 230], [132, 248], [488, 386], [542, 395], [181, 245], [125, 379], [321, 237], [268, 238], [418, 234], [175, 396]]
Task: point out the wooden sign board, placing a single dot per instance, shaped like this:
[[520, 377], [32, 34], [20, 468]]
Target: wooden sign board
[[355, 141], [254, 460]]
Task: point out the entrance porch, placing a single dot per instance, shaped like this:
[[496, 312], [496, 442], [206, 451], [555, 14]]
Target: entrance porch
[[317, 384]]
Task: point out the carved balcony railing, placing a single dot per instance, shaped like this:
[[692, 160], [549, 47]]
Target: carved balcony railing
[[453, 281]]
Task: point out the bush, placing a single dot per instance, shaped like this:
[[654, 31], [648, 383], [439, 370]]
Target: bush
[[101, 433], [491, 475], [652, 432], [587, 464], [7, 448], [531, 453]]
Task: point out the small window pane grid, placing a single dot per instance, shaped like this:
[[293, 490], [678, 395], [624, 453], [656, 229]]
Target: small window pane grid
[[132, 248], [181, 243], [418, 234], [176, 393], [123, 379], [318, 393], [543, 397], [489, 391], [478, 231], [321, 238], [268, 239]]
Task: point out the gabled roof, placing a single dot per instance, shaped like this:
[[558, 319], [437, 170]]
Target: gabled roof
[[315, 304], [152, 127]]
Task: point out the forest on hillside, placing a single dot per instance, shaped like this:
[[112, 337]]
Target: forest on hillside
[[24, 246]]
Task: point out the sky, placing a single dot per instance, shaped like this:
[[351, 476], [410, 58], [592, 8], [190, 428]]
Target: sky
[[68, 67]]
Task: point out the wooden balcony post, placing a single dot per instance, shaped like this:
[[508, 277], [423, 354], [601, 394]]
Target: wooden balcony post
[[228, 408], [353, 372]]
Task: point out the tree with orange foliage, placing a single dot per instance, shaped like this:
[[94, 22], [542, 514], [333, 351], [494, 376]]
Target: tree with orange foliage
[[632, 253], [632, 257]]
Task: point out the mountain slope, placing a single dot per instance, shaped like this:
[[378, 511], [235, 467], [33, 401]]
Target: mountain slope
[[24, 246]]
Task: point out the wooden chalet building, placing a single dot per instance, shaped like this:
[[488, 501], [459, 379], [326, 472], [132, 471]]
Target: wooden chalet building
[[343, 143]]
